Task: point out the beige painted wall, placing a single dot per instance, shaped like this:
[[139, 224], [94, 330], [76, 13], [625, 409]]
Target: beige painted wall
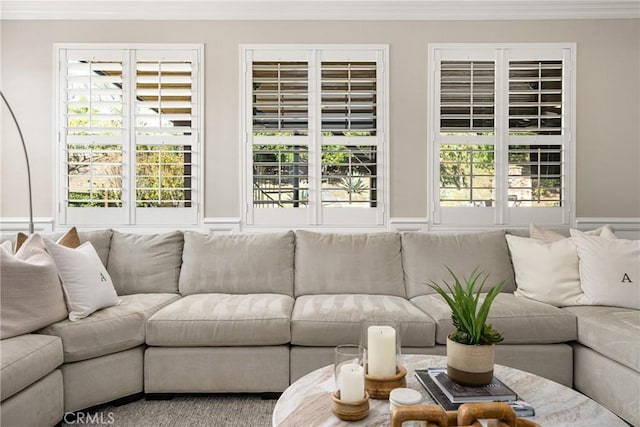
[[608, 99]]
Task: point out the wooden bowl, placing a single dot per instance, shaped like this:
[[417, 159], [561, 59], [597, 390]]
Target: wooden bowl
[[380, 387], [349, 411]]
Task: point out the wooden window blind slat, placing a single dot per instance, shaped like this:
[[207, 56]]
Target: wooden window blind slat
[[467, 96], [349, 98], [535, 97], [280, 97]]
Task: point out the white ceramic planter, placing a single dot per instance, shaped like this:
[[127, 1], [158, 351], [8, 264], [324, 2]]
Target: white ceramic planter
[[470, 364]]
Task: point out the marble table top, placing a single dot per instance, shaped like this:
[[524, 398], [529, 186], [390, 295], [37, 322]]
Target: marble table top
[[307, 402]]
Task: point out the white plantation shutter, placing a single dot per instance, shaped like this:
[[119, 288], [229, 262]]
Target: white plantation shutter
[[94, 94], [467, 96], [129, 127], [349, 97], [93, 135], [277, 128], [281, 97], [314, 130], [166, 135], [501, 130], [352, 95], [535, 97], [539, 142], [467, 133], [464, 135], [536, 175]]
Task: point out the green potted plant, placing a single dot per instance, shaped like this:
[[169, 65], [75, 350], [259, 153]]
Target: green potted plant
[[471, 347]]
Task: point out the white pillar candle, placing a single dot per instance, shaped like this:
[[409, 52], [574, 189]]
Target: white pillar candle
[[351, 382], [381, 342]]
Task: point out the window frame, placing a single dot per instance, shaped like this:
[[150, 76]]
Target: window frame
[[501, 215], [129, 214], [315, 215]]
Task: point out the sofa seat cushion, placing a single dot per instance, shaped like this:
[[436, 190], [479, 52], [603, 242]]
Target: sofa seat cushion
[[109, 330], [611, 331], [25, 359], [222, 320], [521, 320], [330, 320]]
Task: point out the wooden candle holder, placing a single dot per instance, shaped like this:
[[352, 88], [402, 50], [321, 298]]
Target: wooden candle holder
[[380, 387], [349, 411]]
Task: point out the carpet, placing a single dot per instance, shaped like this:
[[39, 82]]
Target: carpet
[[210, 410]]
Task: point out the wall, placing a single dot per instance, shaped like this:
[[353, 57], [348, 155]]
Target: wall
[[608, 99]]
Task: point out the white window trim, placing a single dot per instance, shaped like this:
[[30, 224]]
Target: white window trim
[[500, 217], [154, 221], [340, 218]]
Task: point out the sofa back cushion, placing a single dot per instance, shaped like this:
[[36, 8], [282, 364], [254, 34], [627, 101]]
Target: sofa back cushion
[[145, 263], [237, 264], [101, 241], [329, 263], [31, 295], [426, 256]]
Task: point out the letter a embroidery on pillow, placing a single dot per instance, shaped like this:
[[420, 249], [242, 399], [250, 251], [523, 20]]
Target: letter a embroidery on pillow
[[626, 278]]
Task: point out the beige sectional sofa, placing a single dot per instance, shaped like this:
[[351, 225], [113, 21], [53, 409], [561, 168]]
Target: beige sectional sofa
[[252, 313]]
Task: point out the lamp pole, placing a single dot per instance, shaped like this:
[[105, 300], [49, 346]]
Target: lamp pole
[[26, 158]]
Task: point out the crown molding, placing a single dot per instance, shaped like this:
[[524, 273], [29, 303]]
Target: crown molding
[[351, 10]]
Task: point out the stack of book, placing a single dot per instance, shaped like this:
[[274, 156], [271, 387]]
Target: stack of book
[[451, 395]]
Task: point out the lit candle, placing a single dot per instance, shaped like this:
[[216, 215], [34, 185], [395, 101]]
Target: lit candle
[[351, 382], [382, 351]]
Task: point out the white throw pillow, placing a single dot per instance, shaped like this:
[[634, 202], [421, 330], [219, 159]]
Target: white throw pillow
[[547, 235], [85, 280], [30, 293], [546, 271], [609, 270], [7, 246]]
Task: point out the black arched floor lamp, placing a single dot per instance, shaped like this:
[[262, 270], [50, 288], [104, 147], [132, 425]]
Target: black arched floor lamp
[[26, 157]]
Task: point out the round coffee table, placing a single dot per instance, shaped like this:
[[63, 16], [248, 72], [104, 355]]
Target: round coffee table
[[307, 402]]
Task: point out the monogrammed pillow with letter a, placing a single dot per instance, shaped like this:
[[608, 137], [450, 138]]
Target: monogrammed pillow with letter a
[[86, 283], [609, 270]]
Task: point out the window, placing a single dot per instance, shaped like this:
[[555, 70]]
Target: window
[[314, 135], [129, 128], [501, 132]]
